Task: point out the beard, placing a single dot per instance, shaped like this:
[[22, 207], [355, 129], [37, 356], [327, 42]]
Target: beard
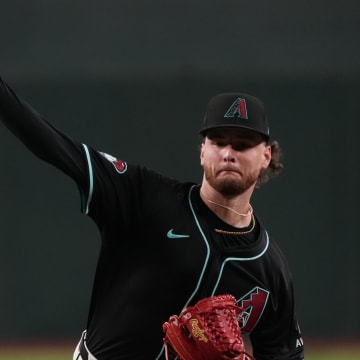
[[230, 186]]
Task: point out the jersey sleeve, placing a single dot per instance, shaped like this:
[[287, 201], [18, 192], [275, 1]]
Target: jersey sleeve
[[113, 193], [42, 138], [121, 195]]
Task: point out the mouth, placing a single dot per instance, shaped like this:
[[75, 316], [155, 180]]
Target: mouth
[[229, 171]]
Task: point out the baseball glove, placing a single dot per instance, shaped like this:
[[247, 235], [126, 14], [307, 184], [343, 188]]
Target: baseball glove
[[209, 330]]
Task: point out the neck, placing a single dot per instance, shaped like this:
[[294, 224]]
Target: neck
[[235, 210]]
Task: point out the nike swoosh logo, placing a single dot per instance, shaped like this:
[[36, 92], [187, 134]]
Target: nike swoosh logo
[[170, 234]]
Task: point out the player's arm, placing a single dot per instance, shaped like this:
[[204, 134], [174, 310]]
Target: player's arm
[[38, 135]]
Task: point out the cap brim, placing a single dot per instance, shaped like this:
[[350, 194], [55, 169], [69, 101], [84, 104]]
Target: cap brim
[[206, 130]]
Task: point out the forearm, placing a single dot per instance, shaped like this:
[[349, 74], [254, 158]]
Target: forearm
[[25, 123], [39, 136]]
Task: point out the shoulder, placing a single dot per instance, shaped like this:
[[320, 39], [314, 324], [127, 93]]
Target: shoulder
[[274, 256]]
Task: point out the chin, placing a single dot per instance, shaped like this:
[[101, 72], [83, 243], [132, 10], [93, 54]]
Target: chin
[[229, 188]]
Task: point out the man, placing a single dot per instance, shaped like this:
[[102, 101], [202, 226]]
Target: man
[[167, 244]]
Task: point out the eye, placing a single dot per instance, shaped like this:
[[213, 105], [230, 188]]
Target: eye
[[218, 142], [221, 143], [241, 145]]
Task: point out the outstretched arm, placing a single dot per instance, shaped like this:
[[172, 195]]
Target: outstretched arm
[[40, 137]]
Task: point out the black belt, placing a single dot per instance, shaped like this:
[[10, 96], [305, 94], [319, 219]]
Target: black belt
[[83, 352]]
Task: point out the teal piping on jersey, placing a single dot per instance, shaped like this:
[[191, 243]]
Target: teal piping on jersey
[[240, 259], [206, 258], [87, 199], [207, 249]]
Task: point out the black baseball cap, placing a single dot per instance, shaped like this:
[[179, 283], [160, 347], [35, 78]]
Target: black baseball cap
[[236, 110]]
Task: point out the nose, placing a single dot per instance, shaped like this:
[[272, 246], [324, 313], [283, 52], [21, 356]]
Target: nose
[[228, 155]]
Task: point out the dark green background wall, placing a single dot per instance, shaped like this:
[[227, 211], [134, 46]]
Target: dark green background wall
[[133, 78]]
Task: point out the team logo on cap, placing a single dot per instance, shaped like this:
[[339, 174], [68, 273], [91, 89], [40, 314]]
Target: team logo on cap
[[237, 109]]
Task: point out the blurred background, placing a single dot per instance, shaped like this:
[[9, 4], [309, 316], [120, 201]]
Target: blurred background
[[132, 78]]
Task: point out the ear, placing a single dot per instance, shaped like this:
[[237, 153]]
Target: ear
[[202, 153], [266, 156]]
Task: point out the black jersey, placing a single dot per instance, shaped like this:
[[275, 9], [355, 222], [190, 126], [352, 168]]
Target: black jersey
[[160, 251]]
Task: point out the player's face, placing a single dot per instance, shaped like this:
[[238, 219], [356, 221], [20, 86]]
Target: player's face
[[232, 159]]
